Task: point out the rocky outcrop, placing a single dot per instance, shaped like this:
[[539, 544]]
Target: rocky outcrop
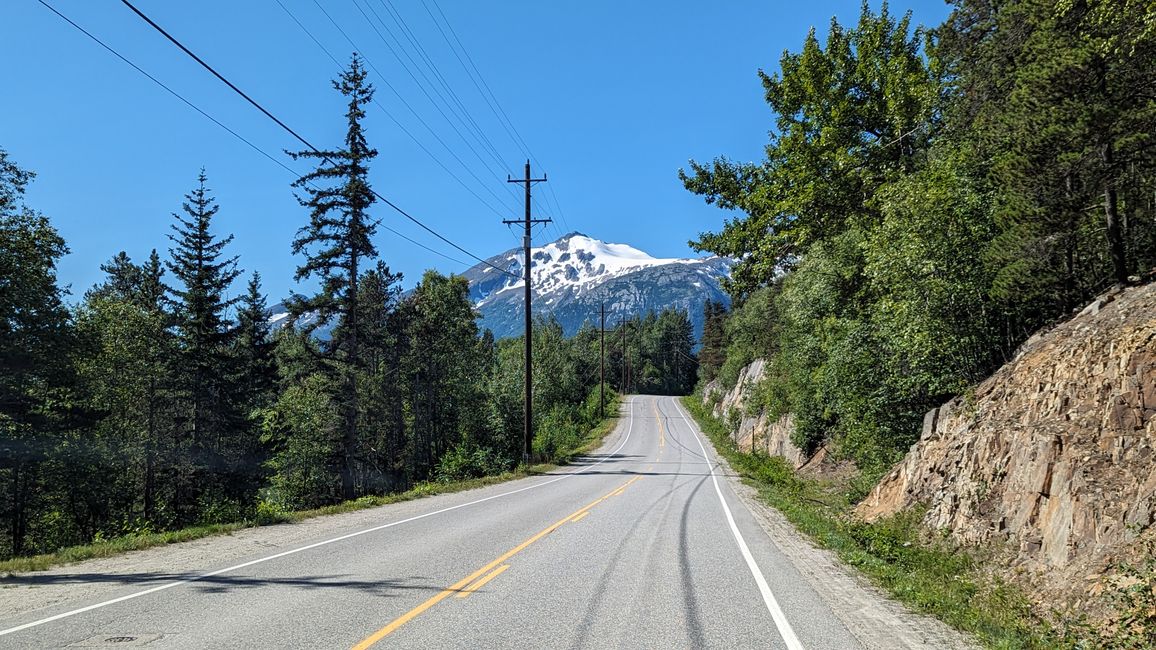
[[751, 429], [1051, 459]]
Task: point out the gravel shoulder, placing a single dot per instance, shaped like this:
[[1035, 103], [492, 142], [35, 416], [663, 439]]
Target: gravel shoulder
[[875, 619]]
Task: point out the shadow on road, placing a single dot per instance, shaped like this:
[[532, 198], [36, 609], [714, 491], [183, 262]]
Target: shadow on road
[[225, 583]]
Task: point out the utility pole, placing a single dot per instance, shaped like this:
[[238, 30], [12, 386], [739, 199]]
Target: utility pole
[[528, 222], [624, 390], [602, 365]]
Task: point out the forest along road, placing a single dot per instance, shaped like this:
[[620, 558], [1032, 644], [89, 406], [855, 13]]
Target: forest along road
[[643, 543]]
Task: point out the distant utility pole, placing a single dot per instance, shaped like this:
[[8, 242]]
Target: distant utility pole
[[528, 221], [624, 360], [602, 365]]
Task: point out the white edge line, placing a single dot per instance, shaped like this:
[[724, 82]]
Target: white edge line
[[282, 554], [781, 622]]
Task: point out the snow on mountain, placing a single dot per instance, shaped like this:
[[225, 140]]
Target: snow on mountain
[[572, 277]]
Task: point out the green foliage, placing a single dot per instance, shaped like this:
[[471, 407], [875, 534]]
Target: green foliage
[[712, 353], [303, 428], [557, 433], [928, 200], [1132, 589], [156, 413], [335, 244], [463, 462], [653, 354], [851, 114]]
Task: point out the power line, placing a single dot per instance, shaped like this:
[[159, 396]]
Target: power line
[[166, 88], [421, 87], [495, 106], [405, 103], [214, 120], [399, 125], [398, 20], [303, 140]]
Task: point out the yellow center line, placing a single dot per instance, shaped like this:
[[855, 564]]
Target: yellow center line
[[579, 517], [457, 586], [661, 429], [481, 582]]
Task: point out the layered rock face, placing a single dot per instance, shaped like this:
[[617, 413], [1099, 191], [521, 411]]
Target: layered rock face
[[755, 432], [1052, 456]]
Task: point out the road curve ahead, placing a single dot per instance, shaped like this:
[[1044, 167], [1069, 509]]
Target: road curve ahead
[[642, 544]]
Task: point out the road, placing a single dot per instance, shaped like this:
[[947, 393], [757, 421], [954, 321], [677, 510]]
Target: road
[[642, 544]]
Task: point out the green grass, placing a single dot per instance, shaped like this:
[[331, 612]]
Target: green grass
[[268, 516], [927, 576]]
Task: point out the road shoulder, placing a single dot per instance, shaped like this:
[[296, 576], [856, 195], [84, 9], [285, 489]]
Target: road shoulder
[[874, 619]]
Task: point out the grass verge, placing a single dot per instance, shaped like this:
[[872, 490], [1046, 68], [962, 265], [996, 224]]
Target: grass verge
[[127, 543], [927, 576]]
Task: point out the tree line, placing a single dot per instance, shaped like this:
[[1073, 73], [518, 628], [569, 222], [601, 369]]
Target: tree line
[[930, 197], [161, 400]]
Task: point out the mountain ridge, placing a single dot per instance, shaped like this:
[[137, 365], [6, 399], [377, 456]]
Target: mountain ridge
[[571, 277]]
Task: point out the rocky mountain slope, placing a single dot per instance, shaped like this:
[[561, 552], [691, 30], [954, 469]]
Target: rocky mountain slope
[[1051, 458], [573, 276]]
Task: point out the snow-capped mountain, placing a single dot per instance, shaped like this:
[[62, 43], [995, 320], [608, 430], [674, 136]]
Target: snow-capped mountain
[[573, 276]]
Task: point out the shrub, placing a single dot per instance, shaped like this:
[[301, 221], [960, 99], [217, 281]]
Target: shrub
[[466, 461]]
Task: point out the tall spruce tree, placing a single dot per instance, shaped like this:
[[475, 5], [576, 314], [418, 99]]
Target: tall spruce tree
[[336, 244], [204, 376]]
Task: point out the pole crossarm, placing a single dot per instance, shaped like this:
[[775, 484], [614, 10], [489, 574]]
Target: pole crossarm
[[528, 222]]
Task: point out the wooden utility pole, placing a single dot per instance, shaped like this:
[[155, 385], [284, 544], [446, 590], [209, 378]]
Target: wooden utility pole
[[624, 358], [528, 221], [602, 365]]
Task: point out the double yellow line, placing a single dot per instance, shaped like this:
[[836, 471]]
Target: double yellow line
[[475, 580], [661, 428]]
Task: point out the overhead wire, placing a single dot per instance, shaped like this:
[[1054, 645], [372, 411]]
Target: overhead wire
[[405, 103], [418, 83], [394, 119], [464, 115], [214, 120], [308, 145], [484, 89]]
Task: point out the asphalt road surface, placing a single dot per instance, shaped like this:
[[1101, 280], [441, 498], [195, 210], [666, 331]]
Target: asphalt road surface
[[643, 544]]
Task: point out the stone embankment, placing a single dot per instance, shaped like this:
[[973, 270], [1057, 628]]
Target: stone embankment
[[752, 430], [1050, 461]]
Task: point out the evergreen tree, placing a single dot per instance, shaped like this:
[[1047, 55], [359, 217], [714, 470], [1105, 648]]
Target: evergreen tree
[[381, 454], [36, 342], [253, 348], [712, 352], [336, 244], [127, 367], [852, 114], [440, 369], [210, 419]]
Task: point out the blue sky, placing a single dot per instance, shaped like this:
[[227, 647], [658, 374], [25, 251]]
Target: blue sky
[[611, 97]]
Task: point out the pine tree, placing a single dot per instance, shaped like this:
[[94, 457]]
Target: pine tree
[[253, 348], [205, 370], [336, 243]]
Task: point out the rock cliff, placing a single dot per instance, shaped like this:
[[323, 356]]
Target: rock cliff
[[1050, 460], [751, 429]]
